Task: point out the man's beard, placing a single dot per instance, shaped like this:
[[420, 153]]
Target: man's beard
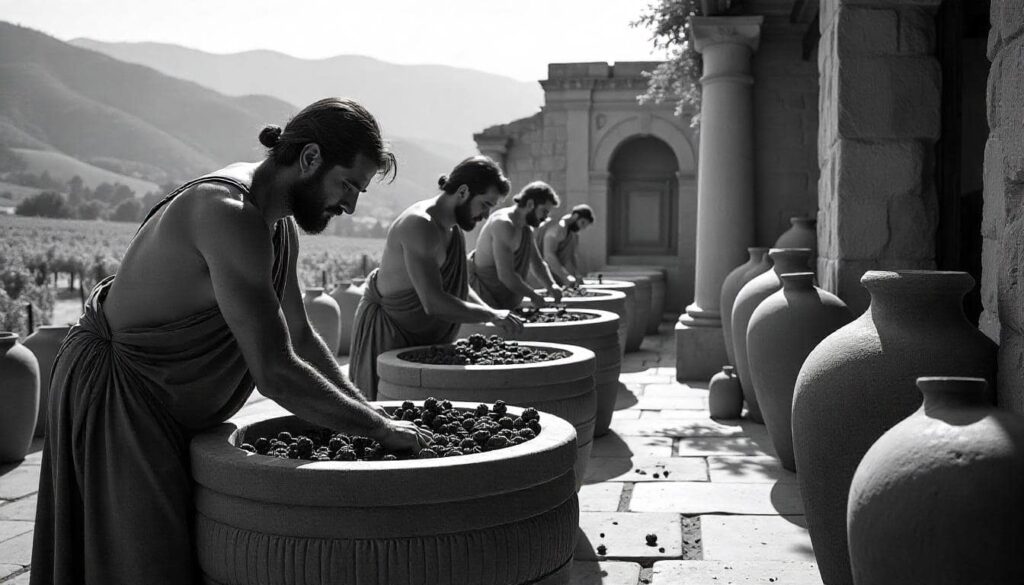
[[463, 217], [308, 203], [573, 226], [532, 220]]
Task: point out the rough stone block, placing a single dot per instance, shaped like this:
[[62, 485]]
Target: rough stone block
[[1010, 383], [893, 97], [867, 31], [994, 210], [700, 352], [990, 270], [756, 538], [1007, 18], [877, 170], [1011, 307], [735, 573], [600, 497], [917, 32], [1007, 107], [604, 573], [863, 227], [748, 470], [644, 469], [717, 498], [913, 221], [624, 535]]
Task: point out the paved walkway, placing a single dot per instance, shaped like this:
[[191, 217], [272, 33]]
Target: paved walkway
[[722, 509]]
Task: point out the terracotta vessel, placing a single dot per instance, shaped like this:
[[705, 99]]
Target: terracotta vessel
[[634, 326], [641, 313], [324, 315], [656, 274], [759, 288], [19, 395], [943, 487], [563, 387], [501, 517], [599, 335], [725, 397], [802, 233], [783, 330], [44, 344], [757, 264], [613, 301], [860, 381], [347, 295]]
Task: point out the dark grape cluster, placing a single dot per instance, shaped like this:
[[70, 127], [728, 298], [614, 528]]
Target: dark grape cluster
[[580, 291], [479, 350], [557, 315], [456, 432]]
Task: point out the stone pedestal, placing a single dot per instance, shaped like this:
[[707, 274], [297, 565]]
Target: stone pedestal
[[725, 188]]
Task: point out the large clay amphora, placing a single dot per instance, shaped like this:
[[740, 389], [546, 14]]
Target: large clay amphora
[[44, 344], [757, 264], [937, 499], [324, 316], [802, 233], [860, 381], [785, 260], [783, 330], [19, 397], [347, 295]]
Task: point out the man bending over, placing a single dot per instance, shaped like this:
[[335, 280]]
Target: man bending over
[[559, 243]]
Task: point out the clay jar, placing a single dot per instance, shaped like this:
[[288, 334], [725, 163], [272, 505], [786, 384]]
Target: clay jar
[[347, 295], [860, 381], [943, 488], [44, 344], [757, 264], [324, 315], [783, 330], [725, 398], [801, 234], [759, 288], [19, 395]]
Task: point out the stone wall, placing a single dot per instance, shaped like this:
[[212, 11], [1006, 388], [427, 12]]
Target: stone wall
[[785, 129], [879, 120], [1003, 226]]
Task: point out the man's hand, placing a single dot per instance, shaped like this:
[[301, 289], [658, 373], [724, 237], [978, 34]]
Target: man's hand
[[571, 280], [404, 435], [555, 292], [538, 300], [507, 322]]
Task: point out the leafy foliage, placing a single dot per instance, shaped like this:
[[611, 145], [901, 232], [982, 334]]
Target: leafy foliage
[[678, 78]]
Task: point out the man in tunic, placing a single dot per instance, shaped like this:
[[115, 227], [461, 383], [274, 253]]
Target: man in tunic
[[206, 303], [420, 293], [506, 251], [559, 243]]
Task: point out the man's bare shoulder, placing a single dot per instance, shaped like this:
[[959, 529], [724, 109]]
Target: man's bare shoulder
[[216, 210], [416, 228]]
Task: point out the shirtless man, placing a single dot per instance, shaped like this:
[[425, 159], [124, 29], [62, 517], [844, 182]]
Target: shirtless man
[[205, 303], [559, 243], [506, 251], [420, 294]]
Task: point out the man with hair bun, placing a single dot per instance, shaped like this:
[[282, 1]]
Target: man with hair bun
[[506, 251], [206, 303], [420, 293], [559, 241]]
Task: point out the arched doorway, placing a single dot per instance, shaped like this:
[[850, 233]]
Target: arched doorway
[[643, 203]]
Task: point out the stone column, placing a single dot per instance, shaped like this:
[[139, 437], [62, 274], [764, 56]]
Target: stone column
[[495, 147], [725, 184]]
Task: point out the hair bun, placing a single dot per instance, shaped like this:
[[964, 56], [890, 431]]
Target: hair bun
[[270, 135], [442, 180]]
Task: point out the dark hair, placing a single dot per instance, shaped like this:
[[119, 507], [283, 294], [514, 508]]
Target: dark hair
[[340, 127], [584, 211], [479, 173], [539, 192]]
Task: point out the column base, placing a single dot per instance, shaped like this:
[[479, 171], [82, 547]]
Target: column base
[[700, 351]]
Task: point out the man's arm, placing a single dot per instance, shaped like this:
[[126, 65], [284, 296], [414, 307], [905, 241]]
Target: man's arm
[[503, 236], [550, 245], [541, 267], [235, 242]]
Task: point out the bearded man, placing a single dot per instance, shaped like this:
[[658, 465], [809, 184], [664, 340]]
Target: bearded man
[[205, 303], [420, 293], [506, 251], [559, 244]]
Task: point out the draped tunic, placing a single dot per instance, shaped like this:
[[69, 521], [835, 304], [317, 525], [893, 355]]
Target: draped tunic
[[487, 283]]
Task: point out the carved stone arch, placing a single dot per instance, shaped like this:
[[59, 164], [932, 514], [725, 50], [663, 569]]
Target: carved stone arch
[[672, 134]]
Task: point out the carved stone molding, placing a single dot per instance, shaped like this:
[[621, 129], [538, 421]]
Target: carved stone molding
[[712, 30]]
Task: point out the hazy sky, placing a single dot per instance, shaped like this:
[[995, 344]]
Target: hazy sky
[[517, 38]]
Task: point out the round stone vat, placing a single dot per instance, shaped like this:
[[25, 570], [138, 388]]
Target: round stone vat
[[562, 387], [598, 334], [635, 316], [656, 275], [504, 516], [603, 300]]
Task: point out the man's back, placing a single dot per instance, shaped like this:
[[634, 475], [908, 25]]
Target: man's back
[[499, 228]]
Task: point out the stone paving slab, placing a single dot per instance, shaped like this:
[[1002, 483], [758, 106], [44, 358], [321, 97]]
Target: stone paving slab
[[673, 390], [604, 573], [756, 538], [17, 550], [11, 528], [625, 414], [735, 573], [625, 536], [6, 570], [645, 402], [623, 469], [613, 445], [749, 470], [23, 509], [19, 482], [711, 498], [705, 446], [674, 427], [21, 579], [643, 377], [600, 497]]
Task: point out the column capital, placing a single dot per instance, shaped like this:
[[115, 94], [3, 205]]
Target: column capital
[[712, 30]]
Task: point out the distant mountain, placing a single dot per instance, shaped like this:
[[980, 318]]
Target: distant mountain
[[440, 103], [110, 120]]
